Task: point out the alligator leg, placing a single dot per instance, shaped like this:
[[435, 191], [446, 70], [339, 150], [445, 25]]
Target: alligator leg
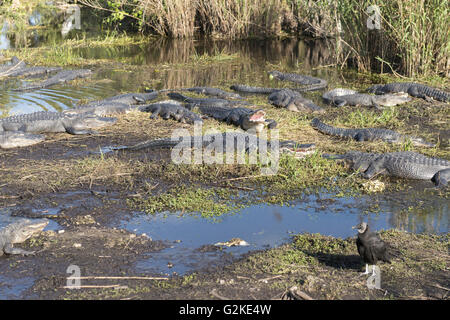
[[80, 131], [339, 102], [155, 112], [9, 249], [376, 167], [271, 123]]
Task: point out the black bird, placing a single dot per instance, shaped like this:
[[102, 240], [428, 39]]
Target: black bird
[[370, 247]]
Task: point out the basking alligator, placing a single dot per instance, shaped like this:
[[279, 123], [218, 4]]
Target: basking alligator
[[208, 91], [60, 77], [404, 164], [239, 142], [18, 232], [263, 90], [18, 68], [133, 98], [414, 89], [245, 118], [368, 134], [293, 101], [310, 83], [46, 121], [171, 109], [203, 101], [341, 97], [14, 139], [100, 108]]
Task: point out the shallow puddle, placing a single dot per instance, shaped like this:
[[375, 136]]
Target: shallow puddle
[[266, 226]]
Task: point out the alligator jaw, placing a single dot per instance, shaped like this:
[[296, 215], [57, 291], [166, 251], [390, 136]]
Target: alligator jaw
[[258, 116], [299, 150]]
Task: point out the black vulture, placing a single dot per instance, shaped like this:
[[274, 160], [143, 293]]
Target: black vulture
[[370, 247]]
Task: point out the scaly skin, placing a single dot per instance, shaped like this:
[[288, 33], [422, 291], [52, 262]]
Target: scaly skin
[[293, 101], [100, 108], [171, 109], [341, 97], [46, 121], [15, 139], [368, 134], [208, 91], [18, 232], [245, 118], [203, 101], [413, 89], [132, 98], [60, 77], [311, 82], [406, 164], [232, 141]]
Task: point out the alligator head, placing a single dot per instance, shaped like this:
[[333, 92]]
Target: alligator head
[[23, 229], [297, 150], [275, 75], [254, 121]]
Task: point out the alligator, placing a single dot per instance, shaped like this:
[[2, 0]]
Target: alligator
[[33, 71], [310, 83], [19, 232], [413, 89], [293, 101], [132, 98], [341, 97], [13, 66], [100, 108], [208, 91], [171, 109], [14, 139], [203, 101], [47, 121], [262, 90], [405, 164], [60, 77], [240, 142], [368, 134], [245, 118]]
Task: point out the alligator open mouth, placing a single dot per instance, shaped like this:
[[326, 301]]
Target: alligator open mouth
[[258, 116]]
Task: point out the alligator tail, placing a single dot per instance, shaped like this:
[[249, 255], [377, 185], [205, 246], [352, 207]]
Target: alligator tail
[[324, 128]]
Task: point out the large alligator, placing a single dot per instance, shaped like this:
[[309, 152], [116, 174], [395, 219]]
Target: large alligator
[[208, 91], [18, 68], [413, 89], [60, 77], [171, 109], [15, 139], [232, 141], [203, 101], [19, 232], [263, 90], [47, 121], [405, 164], [341, 97], [133, 98], [293, 101], [368, 134], [245, 118], [100, 108], [310, 83]]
